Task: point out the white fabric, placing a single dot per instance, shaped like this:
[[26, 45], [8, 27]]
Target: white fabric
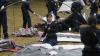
[[68, 39], [22, 31], [45, 18], [52, 53], [66, 6], [4, 40], [55, 0], [2, 7], [82, 2], [63, 50], [71, 37], [33, 30], [29, 31], [85, 16], [47, 46], [23, 0], [69, 46]]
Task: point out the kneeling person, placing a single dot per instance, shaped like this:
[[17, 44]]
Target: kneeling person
[[50, 31]]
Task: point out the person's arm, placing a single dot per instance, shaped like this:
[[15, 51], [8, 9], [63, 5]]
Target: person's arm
[[29, 8], [45, 30]]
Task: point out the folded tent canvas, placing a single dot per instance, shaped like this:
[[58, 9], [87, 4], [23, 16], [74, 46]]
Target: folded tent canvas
[[46, 50]]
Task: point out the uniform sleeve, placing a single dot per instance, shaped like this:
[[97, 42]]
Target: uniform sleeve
[[44, 29], [29, 8]]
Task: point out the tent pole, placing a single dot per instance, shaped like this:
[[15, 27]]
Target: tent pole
[[0, 31]]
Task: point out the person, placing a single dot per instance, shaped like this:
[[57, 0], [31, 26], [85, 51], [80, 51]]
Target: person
[[50, 31], [3, 17], [90, 38], [93, 7], [52, 6], [25, 7], [75, 19]]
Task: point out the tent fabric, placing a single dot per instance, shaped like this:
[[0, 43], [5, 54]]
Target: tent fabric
[[36, 50], [71, 37], [66, 6]]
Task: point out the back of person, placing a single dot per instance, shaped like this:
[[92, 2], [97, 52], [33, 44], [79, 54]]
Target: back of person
[[89, 37]]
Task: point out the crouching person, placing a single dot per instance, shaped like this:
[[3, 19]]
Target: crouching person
[[50, 31], [89, 38]]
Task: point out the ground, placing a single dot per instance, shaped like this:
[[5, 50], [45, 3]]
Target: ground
[[15, 22]]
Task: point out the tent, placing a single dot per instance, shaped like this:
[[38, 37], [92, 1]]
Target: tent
[[59, 50], [66, 5], [63, 37]]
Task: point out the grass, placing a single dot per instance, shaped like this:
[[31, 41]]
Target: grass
[[15, 22]]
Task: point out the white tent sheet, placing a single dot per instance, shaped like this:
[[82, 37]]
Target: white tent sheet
[[66, 6], [38, 50], [63, 46], [70, 37]]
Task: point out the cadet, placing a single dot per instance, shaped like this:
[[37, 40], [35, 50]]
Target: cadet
[[75, 19], [3, 17], [50, 31], [26, 17], [89, 37]]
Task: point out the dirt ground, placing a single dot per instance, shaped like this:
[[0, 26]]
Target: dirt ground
[[15, 22]]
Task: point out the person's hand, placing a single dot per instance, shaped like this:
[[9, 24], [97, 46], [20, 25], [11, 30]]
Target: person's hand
[[69, 29], [49, 28], [2, 7], [34, 12]]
